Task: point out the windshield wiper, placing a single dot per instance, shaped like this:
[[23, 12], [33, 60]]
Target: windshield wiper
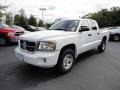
[[59, 29]]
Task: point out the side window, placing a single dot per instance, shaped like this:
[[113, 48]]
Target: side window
[[85, 25], [93, 25]]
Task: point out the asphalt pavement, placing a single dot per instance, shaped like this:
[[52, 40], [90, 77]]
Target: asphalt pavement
[[92, 71]]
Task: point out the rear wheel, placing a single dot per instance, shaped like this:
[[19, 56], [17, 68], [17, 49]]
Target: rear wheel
[[116, 37], [66, 61], [102, 46], [3, 41]]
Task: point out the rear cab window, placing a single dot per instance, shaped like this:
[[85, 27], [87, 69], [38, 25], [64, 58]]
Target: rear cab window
[[85, 23], [93, 25]]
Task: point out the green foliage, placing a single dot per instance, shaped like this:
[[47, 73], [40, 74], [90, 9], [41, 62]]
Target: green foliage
[[40, 24], [32, 21], [20, 19], [107, 18], [1, 9], [16, 19], [22, 12], [9, 18], [1, 14]]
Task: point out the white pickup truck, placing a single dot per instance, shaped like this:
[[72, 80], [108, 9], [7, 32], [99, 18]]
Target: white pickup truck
[[61, 44]]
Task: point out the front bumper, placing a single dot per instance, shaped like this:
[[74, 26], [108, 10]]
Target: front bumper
[[14, 39], [39, 58]]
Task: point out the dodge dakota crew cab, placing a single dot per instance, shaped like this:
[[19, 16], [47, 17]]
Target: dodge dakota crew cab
[[61, 44]]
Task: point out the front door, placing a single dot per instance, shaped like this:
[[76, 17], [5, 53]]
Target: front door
[[85, 38]]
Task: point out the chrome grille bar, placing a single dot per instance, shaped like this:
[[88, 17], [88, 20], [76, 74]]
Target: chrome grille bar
[[28, 45]]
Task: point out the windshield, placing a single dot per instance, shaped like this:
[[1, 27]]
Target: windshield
[[66, 25], [3, 25]]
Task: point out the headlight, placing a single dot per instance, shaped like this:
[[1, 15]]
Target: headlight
[[47, 46], [11, 34]]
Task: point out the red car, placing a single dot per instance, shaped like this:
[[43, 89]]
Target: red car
[[8, 34]]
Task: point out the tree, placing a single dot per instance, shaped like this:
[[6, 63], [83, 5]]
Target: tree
[[21, 19], [9, 18], [32, 21], [22, 12], [1, 14], [1, 10], [47, 25], [107, 18], [16, 19], [40, 24]]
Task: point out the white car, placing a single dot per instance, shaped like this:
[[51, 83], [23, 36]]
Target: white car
[[61, 45], [114, 33]]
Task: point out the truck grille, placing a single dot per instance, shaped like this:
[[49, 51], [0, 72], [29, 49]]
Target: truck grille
[[27, 45]]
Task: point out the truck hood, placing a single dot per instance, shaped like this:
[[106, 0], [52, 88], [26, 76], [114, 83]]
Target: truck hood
[[40, 35]]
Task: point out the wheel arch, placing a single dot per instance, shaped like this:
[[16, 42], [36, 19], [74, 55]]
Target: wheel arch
[[104, 38], [5, 38], [2, 35], [71, 46], [117, 34]]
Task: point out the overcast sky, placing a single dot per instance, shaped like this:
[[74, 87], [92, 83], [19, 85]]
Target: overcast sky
[[60, 8]]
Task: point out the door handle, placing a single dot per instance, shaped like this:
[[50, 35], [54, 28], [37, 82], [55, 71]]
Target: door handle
[[89, 34], [98, 33]]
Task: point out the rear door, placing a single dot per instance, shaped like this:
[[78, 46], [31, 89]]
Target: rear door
[[95, 33]]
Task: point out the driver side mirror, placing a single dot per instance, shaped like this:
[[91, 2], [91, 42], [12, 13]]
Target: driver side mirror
[[84, 28]]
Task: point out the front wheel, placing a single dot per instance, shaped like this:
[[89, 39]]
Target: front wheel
[[66, 60], [102, 46], [3, 41]]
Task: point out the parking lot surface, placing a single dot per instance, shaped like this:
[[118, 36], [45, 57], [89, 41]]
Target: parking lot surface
[[92, 71]]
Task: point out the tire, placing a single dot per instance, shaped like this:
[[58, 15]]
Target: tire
[[116, 37], [102, 46], [3, 41], [66, 61]]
